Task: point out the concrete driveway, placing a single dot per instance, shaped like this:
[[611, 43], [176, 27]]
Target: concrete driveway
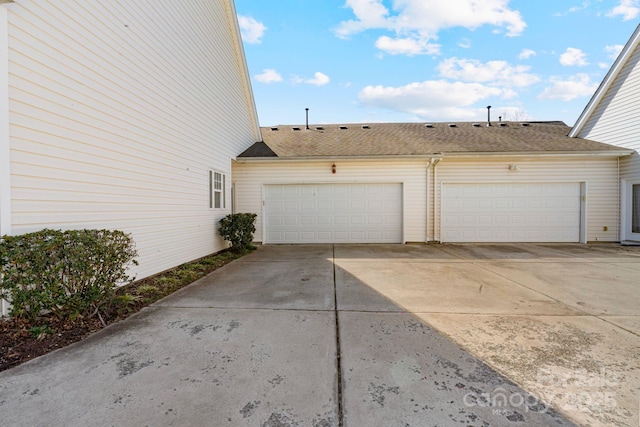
[[362, 335]]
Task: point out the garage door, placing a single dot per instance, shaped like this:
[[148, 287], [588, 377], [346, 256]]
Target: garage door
[[517, 212], [333, 213]]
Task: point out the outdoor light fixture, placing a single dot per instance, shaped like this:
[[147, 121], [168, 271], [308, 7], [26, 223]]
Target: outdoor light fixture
[[514, 167], [333, 168]]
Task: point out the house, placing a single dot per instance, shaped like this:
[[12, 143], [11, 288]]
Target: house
[[123, 118], [613, 116], [426, 182]]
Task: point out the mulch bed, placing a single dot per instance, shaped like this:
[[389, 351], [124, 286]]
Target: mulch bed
[[18, 344]]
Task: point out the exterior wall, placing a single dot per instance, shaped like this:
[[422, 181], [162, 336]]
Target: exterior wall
[[249, 179], [117, 114], [615, 120], [5, 174], [630, 166], [616, 117], [599, 175]]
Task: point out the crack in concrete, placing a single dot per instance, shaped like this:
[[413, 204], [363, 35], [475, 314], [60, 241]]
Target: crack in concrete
[[338, 352]]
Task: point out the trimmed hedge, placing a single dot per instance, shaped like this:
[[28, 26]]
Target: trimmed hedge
[[238, 229], [66, 273]]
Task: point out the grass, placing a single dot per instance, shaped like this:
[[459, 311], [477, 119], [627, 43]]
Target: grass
[[154, 288]]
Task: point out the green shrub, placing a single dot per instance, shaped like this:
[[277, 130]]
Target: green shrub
[[148, 291], [40, 331], [124, 303], [238, 229], [67, 273]]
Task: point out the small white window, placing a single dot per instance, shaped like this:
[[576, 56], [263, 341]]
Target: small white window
[[216, 190]]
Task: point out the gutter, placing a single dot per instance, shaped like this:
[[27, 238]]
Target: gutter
[[432, 179], [607, 153], [429, 157]]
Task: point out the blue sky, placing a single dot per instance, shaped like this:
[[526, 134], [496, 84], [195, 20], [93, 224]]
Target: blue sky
[[367, 61]]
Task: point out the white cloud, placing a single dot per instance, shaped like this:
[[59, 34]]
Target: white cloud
[[583, 6], [574, 9], [492, 72], [251, 30], [422, 20], [406, 46], [576, 86], [629, 9], [613, 50], [526, 54], [431, 99], [370, 14], [465, 43], [318, 79], [573, 57], [268, 76]]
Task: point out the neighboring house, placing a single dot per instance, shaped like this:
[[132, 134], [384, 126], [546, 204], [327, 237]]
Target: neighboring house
[[123, 117], [613, 116], [421, 182]]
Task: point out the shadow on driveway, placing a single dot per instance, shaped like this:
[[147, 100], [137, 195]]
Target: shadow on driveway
[[328, 336]]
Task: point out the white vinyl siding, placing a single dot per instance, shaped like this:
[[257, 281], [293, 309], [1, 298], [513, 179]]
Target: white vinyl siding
[[616, 119], [118, 113], [630, 174], [5, 164], [251, 178], [599, 177], [630, 166], [5, 173]]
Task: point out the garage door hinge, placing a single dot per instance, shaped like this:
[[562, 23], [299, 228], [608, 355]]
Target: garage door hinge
[[584, 198]]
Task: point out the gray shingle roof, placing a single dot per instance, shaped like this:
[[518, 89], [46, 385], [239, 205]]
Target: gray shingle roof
[[419, 139]]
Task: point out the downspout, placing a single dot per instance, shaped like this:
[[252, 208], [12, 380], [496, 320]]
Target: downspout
[[435, 203], [619, 214], [426, 208], [431, 193]]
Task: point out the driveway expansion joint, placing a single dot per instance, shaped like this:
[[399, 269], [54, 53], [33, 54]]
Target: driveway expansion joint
[[338, 351]]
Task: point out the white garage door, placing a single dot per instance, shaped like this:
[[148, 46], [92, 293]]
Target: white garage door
[[516, 212], [333, 213]]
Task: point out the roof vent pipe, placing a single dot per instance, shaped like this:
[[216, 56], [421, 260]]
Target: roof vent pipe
[[307, 114], [489, 115]]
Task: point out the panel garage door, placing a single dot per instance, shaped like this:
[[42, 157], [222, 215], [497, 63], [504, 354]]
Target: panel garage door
[[515, 212], [333, 213]]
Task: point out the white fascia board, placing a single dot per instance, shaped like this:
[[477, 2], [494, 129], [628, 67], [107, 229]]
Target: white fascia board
[[5, 148], [564, 154], [329, 158], [545, 154], [606, 83]]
